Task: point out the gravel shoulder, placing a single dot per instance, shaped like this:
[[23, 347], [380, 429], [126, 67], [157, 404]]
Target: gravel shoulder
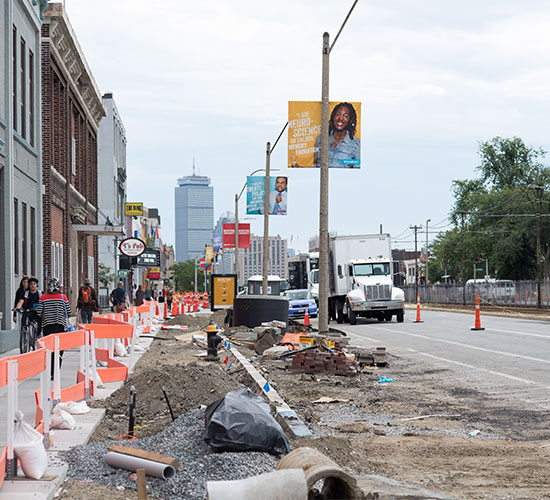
[[367, 434]]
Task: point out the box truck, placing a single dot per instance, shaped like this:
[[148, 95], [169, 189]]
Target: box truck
[[361, 280]]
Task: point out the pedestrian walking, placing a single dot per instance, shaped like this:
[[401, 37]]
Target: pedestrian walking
[[148, 294], [118, 298], [140, 294], [87, 301], [54, 310]]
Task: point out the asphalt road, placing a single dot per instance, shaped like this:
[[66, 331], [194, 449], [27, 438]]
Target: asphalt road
[[509, 360]]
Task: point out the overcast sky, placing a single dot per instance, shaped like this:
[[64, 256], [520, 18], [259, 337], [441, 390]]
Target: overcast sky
[[213, 79]]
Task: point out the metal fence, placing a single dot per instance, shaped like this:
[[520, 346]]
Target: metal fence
[[521, 293]]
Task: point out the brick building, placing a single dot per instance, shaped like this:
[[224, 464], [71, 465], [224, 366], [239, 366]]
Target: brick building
[[72, 108]]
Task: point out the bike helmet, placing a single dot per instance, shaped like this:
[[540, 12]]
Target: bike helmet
[[53, 285]]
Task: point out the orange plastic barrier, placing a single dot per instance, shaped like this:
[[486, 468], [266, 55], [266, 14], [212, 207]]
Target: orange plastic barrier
[[29, 364], [111, 331], [115, 370], [3, 372], [3, 458], [67, 340], [74, 392]]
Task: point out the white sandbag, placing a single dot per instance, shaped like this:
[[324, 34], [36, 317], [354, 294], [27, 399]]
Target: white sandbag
[[62, 420], [139, 348], [74, 407], [29, 449], [120, 350], [98, 382]]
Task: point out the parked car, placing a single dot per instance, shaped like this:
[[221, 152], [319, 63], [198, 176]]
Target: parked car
[[299, 301]]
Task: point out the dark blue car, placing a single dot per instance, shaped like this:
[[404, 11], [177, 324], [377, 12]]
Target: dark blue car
[[299, 301]]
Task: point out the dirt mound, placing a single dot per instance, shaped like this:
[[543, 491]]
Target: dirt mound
[[188, 387], [198, 321]]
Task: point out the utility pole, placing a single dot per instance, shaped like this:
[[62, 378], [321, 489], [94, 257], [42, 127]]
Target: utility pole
[[427, 253], [462, 213], [538, 194], [323, 178], [415, 228], [236, 239]]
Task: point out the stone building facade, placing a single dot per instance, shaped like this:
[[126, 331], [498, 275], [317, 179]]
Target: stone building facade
[[20, 152], [72, 108]]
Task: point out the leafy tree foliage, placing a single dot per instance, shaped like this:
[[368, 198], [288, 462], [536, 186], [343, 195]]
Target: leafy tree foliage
[[500, 223], [184, 274]]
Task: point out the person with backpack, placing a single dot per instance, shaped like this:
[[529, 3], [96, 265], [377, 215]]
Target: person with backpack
[[118, 298], [87, 301]]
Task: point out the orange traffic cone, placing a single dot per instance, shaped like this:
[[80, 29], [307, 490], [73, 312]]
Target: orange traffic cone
[[165, 310], [478, 318], [306, 318], [418, 320]]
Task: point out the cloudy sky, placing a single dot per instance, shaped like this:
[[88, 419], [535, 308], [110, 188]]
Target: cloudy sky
[[213, 80]]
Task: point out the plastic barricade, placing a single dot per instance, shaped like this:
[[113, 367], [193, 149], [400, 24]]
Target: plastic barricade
[[3, 457]]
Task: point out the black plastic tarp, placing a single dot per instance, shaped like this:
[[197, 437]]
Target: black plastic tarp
[[242, 421]]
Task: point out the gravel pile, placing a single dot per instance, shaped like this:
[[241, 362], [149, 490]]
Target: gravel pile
[[183, 440]]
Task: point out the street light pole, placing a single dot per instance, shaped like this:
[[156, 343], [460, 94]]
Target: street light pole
[[323, 178], [236, 239], [538, 194], [462, 213], [265, 252]]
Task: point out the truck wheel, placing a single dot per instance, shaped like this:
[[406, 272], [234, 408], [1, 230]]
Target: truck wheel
[[387, 316], [352, 316], [380, 318], [400, 316], [340, 312]]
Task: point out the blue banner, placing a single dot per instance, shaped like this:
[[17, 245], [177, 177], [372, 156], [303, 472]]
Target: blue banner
[[278, 194]]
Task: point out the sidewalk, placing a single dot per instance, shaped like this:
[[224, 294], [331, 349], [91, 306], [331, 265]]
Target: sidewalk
[[23, 488]]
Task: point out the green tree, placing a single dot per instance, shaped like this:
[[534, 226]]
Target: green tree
[[184, 275], [500, 225], [104, 274]]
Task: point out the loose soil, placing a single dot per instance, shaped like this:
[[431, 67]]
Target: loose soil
[[509, 458]]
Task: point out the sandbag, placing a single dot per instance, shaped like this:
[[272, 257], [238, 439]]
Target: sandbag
[[28, 447], [74, 408], [241, 421], [62, 419], [120, 350]]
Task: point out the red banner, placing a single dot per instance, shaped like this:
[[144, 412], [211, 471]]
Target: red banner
[[229, 235]]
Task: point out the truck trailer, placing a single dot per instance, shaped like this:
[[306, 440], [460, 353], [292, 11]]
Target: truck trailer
[[361, 279]]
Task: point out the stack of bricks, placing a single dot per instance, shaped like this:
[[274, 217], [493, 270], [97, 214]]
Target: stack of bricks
[[320, 361]]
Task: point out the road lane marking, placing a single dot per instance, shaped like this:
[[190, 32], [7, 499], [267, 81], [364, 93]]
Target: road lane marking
[[485, 370], [547, 337], [452, 342]]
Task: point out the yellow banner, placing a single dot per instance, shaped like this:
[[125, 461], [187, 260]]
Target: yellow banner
[[209, 251], [304, 134]]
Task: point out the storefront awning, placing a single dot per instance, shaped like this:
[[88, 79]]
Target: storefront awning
[[99, 229]]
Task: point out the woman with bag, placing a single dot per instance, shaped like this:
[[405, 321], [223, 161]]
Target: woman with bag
[[118, 298], [54, 310]]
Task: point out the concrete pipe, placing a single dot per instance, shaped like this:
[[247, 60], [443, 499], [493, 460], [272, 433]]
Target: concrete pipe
[[337, 483], [128, 462], [288, 484]]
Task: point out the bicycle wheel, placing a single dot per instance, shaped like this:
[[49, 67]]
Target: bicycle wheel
[[24, 339], [32, 336]]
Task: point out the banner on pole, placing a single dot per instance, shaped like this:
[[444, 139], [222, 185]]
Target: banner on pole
[[304, 134], [229, 235], [278, 194]]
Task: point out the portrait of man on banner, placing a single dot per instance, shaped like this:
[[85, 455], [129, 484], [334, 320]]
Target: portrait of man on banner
[[255, 196], [304, 134]]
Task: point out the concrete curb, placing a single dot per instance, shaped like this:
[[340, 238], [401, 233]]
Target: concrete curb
[[285, 414]]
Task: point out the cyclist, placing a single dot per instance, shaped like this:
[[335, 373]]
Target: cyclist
[[30, 322], [23, 287]]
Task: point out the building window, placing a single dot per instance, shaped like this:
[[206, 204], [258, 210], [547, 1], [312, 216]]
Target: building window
[[24, 236], [31, 98], [16, 235], [61, 264], [23, 81], [33, 242], [73, 144], [14, 76]]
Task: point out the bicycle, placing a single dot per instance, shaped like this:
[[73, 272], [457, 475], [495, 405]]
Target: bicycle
[[28, 330]]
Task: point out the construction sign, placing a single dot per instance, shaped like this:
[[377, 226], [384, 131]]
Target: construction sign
[[229, 235], [223, 291], [304, 134], [133, 209]]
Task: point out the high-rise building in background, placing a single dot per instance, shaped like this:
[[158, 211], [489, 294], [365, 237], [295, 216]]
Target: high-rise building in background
[[250, 260], [194, 206]]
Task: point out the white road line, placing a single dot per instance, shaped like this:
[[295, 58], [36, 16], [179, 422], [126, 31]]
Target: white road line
[[485, 370], [547, 337], [434, 339]]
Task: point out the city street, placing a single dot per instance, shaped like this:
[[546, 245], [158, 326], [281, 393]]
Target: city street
[[509, 360]]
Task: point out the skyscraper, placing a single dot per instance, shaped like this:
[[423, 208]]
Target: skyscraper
[[194, 202]]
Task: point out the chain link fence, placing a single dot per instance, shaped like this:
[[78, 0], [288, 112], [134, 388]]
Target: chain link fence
[[501, 292]]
